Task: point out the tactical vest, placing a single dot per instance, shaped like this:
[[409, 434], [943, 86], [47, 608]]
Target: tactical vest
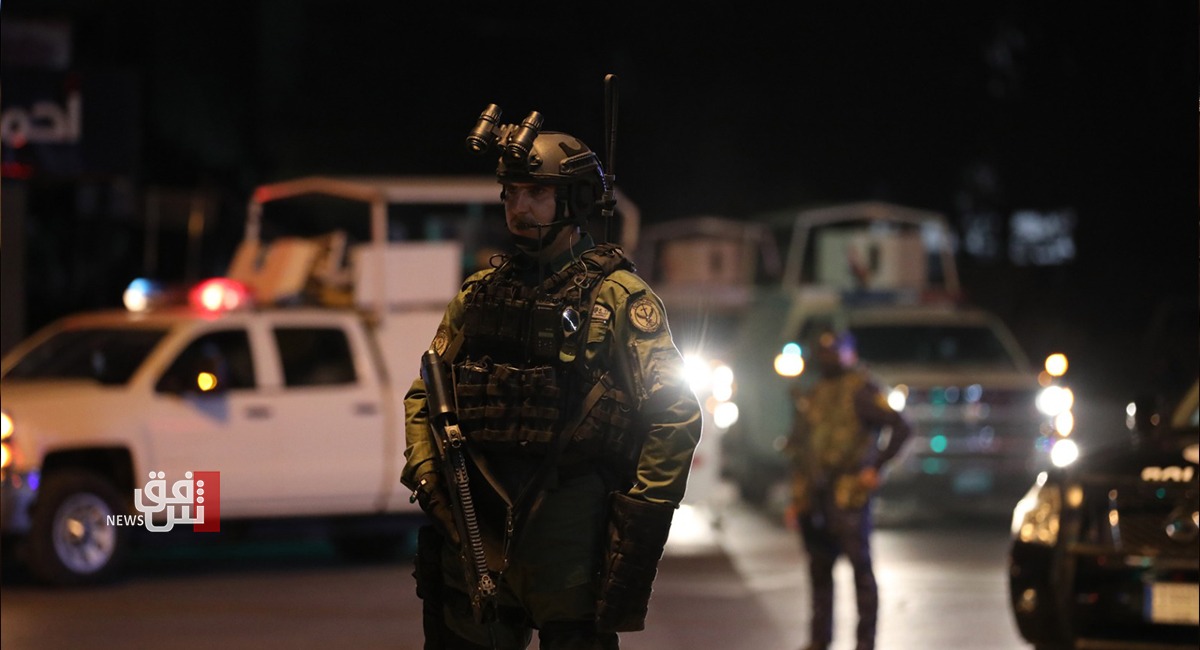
[[836, 435], [836, 447], [520, 371]]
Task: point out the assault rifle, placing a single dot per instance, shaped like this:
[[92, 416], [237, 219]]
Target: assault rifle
[[443, 422]]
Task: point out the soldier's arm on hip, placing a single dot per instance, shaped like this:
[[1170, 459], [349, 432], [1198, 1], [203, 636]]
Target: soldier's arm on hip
[[873, 409]]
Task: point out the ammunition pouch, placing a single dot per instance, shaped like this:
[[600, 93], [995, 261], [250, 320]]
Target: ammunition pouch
[[637, 533], [505, 404]]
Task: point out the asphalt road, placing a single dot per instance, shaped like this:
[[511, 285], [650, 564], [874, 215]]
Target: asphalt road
[[732, 578]]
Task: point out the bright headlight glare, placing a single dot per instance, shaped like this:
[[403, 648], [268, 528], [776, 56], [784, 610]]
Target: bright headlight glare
[[1036, 515], [898, 398], [722, 383], [1064, 423], [1053, 400], [6, 456], [725, 415], [6, 426], [722, 392], [722, 375], [1056, 364], [790, 361], [1064, 452], [697, 372]]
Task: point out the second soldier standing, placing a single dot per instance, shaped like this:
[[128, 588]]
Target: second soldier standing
[[579, 428], [836, 464]]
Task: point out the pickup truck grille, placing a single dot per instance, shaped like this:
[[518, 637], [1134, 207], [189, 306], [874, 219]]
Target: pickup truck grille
[[954, 427], [951, 395], [1133, 518]]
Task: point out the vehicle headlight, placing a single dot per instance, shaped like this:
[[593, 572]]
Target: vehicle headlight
[[1064, 423], [712, 377], [696, 372], [789, 362], [898, 398], [1064, 452], [1053, 400], [725, 414], [722, 382], [1036, 516], [1056, 364]]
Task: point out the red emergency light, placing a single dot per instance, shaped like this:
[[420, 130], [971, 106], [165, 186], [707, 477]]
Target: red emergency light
[[219, 294]]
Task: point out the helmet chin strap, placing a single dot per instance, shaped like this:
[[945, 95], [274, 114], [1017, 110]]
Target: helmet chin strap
[[547, 233]]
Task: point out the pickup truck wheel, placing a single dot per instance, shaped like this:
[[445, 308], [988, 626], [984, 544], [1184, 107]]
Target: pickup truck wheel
[[71, 541]]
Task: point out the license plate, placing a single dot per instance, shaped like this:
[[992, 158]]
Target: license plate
[[1173, 603]]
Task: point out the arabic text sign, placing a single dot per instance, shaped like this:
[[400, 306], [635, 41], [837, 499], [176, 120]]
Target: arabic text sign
[[195, 499]]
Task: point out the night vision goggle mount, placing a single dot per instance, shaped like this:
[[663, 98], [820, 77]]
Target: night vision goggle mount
[[514, 140]]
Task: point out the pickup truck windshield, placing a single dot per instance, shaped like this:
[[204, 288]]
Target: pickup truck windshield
[[109, 356], [938, 345]]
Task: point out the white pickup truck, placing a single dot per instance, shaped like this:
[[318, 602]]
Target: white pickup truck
[[285, 378]]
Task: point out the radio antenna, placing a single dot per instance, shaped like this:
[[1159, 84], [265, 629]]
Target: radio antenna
[[609, 201]]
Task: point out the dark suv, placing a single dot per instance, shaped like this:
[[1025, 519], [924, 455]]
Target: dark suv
[[1106, 552]]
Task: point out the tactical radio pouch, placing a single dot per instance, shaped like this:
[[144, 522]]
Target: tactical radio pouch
[[637, 532]]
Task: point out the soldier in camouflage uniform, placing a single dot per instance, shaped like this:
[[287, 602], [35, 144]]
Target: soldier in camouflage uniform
[[836, 462], [580, 427]]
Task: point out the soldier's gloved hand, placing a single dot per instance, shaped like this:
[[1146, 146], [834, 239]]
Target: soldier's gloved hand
[[435, 501], [638, 533]]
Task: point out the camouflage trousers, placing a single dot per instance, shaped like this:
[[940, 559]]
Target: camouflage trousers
[[830, 532]]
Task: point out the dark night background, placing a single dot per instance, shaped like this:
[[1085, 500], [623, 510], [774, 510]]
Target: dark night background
[[975, 109]]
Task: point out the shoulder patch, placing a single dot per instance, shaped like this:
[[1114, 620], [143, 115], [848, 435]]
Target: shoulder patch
[[645, 315], [440, 341], [600, 313]]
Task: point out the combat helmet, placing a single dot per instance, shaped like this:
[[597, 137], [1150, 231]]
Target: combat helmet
[[561, 160]]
